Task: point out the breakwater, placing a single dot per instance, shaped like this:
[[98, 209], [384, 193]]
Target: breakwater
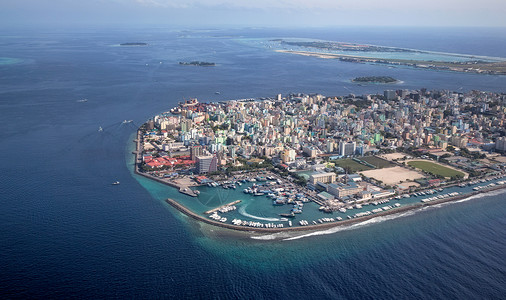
[[401, 209], [311, 227]]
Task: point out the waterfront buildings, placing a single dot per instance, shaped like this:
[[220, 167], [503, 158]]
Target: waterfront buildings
[[299, 131], [323, 177], [207, 164]]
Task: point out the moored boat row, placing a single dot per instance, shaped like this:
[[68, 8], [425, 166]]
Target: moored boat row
[[439, 197]]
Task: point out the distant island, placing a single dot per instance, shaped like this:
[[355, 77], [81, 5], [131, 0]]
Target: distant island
[[133, 44], [198, 63], [375, 79], [340, 46]]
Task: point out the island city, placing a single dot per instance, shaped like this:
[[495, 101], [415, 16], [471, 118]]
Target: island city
[[301, 162]]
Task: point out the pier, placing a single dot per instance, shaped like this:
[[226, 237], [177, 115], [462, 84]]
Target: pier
[[218, 208], [187, 191], [396, 210]]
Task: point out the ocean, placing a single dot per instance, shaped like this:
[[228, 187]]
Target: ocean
[[66, 232]]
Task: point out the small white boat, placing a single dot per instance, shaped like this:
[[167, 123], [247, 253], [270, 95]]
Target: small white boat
[[115, 183]]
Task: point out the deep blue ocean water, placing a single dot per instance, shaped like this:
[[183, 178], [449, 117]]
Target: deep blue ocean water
[[65, 231]]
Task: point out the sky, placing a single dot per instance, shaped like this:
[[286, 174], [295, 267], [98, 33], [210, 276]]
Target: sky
[[266, 13]]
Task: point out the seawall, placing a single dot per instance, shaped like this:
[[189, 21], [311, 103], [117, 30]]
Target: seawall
[[401, 209]]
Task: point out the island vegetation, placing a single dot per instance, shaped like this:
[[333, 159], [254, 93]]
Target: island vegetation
[[375, 79], [198, 63], [340, 46], [472, 66]]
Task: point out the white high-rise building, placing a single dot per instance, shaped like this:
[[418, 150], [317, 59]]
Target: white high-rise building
[[347, 148]]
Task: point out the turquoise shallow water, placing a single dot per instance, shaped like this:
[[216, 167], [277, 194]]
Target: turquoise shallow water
[[9, 60]]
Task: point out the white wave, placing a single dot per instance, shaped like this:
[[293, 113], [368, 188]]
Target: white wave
[[375, 220], [473, 197], [288, 236], [273, 236], [242, 211]]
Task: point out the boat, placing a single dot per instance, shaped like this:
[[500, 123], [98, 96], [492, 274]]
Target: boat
[[258, 194], [291, 215], [127, 121], [82, 100], [115, 183], [100, 129]]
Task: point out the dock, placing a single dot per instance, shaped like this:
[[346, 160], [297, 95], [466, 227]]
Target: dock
[[220, 207], [187, 191]]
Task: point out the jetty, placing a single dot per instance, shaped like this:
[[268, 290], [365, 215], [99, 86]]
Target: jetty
[[319, 226], [187, 191], [218, 208]]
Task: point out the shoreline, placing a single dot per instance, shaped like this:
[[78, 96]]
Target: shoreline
[[183, 209], [491, 68], [401, 209], [136, 168]]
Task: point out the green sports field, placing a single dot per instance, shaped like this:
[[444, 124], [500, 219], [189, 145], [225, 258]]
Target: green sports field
[[435, 169], [353, 165], [378, 162]]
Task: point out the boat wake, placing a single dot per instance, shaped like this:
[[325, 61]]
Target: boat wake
[[242, 211]]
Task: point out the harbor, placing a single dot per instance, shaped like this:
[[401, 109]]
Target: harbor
[[268, 202], [331, 221]]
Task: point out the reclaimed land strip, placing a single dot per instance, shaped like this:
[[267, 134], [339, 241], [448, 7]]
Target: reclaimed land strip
[[497, 68], [401, 209], [220, 207]]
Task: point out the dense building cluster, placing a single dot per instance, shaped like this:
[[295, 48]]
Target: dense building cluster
[[298, 128]]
